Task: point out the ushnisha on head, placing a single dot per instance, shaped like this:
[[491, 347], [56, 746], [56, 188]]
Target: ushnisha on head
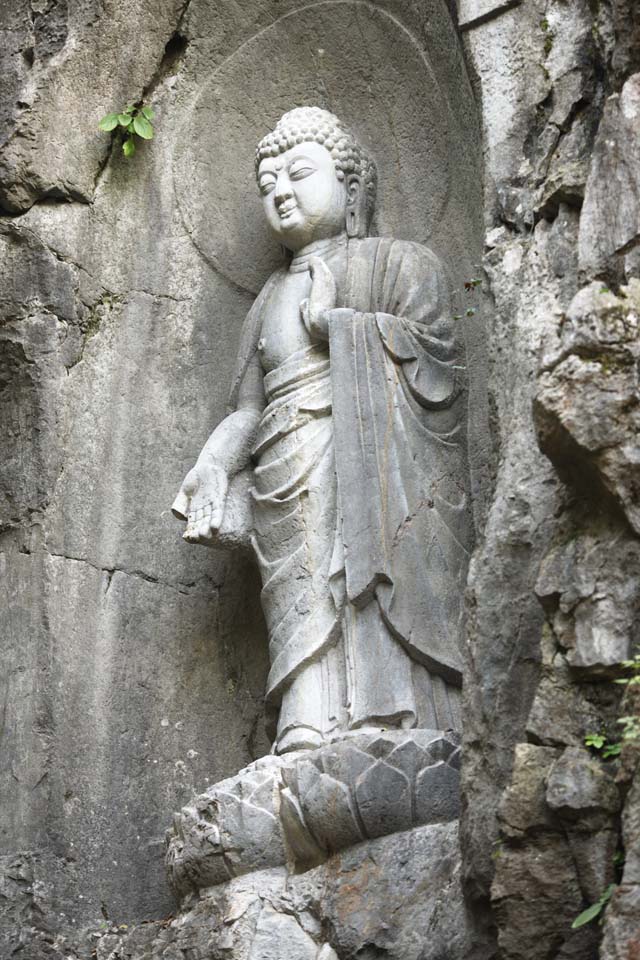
[[316, 180]]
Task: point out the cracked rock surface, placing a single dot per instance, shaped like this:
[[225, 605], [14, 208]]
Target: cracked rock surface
[[554, 591], [135, 666]]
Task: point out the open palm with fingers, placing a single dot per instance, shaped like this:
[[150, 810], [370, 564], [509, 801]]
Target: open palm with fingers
[[201, 501]]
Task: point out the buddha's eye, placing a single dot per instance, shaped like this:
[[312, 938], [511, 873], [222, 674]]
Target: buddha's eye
[[301, 171], [266, 186]]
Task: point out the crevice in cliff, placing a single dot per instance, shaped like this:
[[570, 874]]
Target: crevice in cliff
[[183, 588], [172, 56], [56, 195], [23, 233]]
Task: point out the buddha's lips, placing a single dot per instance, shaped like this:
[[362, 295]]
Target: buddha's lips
[[286, 209]]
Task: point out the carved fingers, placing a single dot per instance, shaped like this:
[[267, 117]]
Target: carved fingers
[[315, 322], [323, 286], [206, 504], [180, 506], [321, 299]]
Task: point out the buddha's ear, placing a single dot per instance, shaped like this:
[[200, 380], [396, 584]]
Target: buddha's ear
[[356, 213]]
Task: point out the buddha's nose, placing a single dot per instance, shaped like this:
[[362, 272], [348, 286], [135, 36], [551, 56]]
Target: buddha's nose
[[283, 190]]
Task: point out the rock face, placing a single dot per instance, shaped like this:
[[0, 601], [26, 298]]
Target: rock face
[[136, 665], [540, 822], [397, 896]]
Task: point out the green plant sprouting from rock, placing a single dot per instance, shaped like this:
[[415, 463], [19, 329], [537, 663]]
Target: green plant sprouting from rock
[[607, 750], [594, 910], [134, 122], [630, 725]]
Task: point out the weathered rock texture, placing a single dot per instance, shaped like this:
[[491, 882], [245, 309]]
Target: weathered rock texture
[[134, 667], [554, 592], [397, 896], [136, 664]]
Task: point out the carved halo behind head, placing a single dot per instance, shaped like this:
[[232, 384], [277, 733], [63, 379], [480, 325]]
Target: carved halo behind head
[[304, 124]]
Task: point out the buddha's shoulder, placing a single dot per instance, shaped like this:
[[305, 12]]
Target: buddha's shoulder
[[406, 252]]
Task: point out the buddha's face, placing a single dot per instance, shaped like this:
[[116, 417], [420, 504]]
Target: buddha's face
[[304, 195]]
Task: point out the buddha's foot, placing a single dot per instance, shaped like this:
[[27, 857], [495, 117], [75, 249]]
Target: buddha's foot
[[299, 738]]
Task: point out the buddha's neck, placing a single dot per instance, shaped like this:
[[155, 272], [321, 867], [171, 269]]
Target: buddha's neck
[[317, 248]]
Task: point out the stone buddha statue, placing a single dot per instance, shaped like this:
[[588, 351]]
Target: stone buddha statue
[[347, 413]]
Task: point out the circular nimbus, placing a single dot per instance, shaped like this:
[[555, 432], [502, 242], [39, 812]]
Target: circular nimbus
[[348, 57]]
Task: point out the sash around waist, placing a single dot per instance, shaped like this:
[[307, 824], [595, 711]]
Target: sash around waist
[[298, 391]]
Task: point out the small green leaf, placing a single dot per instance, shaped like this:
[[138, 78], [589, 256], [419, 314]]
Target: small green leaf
[[606, 896], [109, 122], [611, 750], [142, 127], [587, 915], [471, 312], [129, 147], [147, 112], [124, 119], [595, 740], [131, 129]]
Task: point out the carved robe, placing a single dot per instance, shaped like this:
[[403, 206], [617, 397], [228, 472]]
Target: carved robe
[[361, 525]]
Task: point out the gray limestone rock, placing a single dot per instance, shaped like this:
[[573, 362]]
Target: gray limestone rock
[[122, 290], [138, 664], [587, 408], [564, 711], [558, 840], [41, 156], [397, 897], [593, 605], [578, 787], [545, 73], [622, 931], [610, 220]]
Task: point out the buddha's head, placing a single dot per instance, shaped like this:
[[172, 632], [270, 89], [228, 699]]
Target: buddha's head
[[315, 179]]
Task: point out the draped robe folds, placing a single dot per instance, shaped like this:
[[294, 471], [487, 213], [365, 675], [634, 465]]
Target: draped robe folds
[[361, 523]]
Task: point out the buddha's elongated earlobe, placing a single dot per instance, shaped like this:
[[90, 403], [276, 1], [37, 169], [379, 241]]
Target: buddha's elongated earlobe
[[356, 211]]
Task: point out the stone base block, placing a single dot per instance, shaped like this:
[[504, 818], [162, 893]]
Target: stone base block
[[396, 897], [300, 808]]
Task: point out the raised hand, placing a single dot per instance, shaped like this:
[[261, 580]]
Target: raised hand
[[322, 298], [201, 501]]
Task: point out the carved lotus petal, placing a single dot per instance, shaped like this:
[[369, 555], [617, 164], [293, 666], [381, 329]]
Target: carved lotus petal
[[303, 846], [409, 757], [250, 836], [329, 814], [344, 762], [307, 777], [440, 748], [380, 746], [437, 797], [383, 795], [264, 794]]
